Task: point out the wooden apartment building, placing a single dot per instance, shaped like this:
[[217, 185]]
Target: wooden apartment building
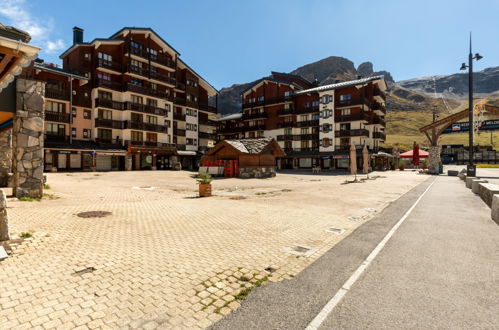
[[314, 125], [125, 102]]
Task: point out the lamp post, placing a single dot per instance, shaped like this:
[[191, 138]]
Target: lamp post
[[471, 169]]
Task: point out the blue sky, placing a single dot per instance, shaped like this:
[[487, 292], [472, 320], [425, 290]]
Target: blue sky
[[231, 42]]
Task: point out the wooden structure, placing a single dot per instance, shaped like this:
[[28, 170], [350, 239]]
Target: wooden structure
[[434, 130], [255, 157]]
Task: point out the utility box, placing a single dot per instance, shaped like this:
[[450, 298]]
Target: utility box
[[470, 170]]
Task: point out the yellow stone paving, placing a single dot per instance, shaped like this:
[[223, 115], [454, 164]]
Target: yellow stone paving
[[164, 258]]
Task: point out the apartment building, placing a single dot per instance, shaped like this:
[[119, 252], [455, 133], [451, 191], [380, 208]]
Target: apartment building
[[133, 105], [314, 125]]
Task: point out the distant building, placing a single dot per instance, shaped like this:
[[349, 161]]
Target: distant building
[[313, 125]]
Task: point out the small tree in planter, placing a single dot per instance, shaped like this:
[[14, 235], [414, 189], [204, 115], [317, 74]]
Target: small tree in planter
[[204, 181], [402, 165]]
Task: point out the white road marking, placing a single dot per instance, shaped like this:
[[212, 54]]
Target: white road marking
[[328, 308]]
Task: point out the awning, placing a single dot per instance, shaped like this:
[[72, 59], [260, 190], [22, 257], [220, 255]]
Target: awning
[[408, 154], [186, 153]]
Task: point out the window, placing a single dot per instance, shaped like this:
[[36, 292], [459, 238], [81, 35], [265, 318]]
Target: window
[[55, 129], [152, 120], [315, 103], [136, 45], [56, 85], [288, 93], [137, 136], [104, 76], [326, 113], [345, 97], [137, 99], [105, 114], [191, 112], [55, 107], [261, 98], [345, 112], [191, 127], [304, 118], [105, 95], [87, 114], [192, 83], [152, 103], [304, 130], [153, 54], [288, 131], [87, 133], [326, 142], [137, 82], [326, 128], [259, 134], [105, 134], [136, 117], [151, 137], [73, 110], [326, 99], [73, 131], [104, 58], [191, 142], [153, 86]]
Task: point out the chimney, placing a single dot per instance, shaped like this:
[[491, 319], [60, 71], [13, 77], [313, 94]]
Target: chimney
[[77, 35]]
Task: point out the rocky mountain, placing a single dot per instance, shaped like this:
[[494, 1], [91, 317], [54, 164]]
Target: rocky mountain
[[455, 86], [413, 94]]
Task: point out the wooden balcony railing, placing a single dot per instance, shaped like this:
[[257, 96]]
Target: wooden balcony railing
[[111, 65], [286, 124], [254, 128], [255, 115], [285, 112], [115, 85], [58, 117], [379, 135], [351, 102], [306, 110], [155, 144], [268, 101], [57, 94], [109, 123], [206, 107], [179, 132], [146, 90], [145, 126], [205, 135], [308, 123], [56, 137], [355, 117], [353, 132], [145, 108], [110, 104], [178, 116]]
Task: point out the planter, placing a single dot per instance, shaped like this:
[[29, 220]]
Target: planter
[[204, 190], [401, 168]]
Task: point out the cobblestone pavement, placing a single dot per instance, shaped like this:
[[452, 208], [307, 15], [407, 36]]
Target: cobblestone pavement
[[164, 258]]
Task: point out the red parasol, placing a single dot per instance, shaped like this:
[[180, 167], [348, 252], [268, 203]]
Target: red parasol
[[415, 154]]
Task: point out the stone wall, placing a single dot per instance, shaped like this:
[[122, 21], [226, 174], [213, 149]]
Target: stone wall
[[5, 157], [27, 139], [434, 159], [257, 172], [4, 224]]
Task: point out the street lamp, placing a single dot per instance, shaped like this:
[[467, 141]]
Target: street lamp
[[471, 169]]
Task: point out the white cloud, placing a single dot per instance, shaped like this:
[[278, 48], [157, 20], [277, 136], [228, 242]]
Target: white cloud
[[18, 15]]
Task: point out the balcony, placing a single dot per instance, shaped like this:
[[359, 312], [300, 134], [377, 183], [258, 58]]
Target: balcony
[[306, 110], [110, 65], [156, 58], [379, 135], [285, 124], [208, 108], [180, 85], [109, 123], [379, 121], [58, 117], [285, 112], [145, 126], [56, 137], [115, 85], [308, 123], [378, 107], [304, 150], [57, 94], [355, 117], [180, 147], [180, 100], [254, 128], [302, 137], [255, 115], [206, 122], [274, 100], [287, 137], [178, 116], [205, 135], [145, 108], [230, 130], [377, 92], [110, 104], [351, 102], [153, 144], [179, 132], [162, 78], [146, 90], [352, 132]]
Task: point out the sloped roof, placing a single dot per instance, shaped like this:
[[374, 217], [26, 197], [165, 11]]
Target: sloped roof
[[250, 146], [340, 85]]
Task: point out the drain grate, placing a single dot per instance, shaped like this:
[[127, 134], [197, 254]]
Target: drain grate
[[94, 214], [300, 250], [334, 230], [85, 271]]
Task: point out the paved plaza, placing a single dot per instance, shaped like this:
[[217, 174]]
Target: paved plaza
[[164, 258]]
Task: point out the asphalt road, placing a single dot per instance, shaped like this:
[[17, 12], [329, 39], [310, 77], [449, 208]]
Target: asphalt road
[[439, 270]]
